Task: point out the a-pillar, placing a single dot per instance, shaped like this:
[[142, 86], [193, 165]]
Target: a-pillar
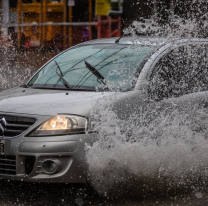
[[5, 15]]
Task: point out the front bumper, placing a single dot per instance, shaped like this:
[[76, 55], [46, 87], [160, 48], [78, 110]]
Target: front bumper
[[23, 157]]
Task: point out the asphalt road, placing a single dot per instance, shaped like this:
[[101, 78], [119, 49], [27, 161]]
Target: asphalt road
[[40, 194]]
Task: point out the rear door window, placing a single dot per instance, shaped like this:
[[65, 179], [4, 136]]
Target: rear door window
[[182, 71]]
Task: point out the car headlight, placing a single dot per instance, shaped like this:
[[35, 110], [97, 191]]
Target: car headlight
[[60, 125]]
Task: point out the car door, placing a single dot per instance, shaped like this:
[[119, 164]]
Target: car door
[[178, 85], [182, 71]]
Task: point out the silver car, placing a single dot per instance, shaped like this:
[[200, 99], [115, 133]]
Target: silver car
[[45, 124]]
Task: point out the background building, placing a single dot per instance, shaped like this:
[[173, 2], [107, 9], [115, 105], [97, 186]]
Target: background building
[[59, 23]]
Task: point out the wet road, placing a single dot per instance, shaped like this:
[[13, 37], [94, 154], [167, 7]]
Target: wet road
[[30, 194]]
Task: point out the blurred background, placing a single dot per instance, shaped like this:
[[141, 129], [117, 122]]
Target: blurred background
[[59, 24]]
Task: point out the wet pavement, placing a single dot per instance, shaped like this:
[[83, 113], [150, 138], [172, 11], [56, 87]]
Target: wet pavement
[[41, 194]]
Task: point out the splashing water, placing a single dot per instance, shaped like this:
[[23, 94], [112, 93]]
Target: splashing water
[[18, 67], [161, 146], [157, 145], [11, 73]]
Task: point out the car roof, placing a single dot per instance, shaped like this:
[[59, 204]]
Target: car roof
[[142, 40], [128, 40]]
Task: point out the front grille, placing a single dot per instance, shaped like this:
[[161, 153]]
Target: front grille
[[7, 164], [11, 126]]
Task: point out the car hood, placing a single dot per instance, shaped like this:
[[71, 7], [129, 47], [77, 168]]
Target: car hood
[[49, 102]]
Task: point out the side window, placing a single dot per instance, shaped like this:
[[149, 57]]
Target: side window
[[182, 71]]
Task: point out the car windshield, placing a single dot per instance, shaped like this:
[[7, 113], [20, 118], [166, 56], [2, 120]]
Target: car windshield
[[90, 66]]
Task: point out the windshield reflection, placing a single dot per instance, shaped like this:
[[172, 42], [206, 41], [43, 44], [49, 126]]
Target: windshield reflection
[[91, 66]]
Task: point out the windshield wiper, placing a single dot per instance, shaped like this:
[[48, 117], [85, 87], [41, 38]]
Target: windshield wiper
[[61, 76], [95, 72]]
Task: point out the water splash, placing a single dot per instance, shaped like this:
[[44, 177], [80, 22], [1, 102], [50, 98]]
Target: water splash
[[186, 19], [161, 146], [17, 67]]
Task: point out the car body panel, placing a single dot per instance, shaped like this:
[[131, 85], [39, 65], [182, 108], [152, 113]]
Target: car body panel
[[48, 102]]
